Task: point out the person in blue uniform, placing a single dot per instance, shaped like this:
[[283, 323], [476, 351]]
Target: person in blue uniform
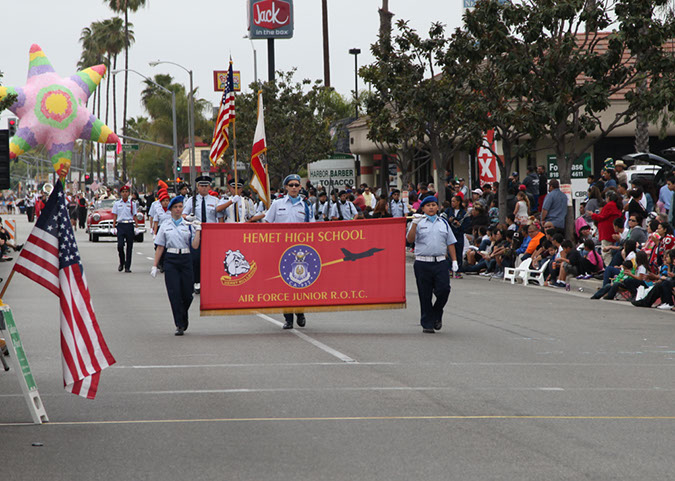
[[202, 207], [291, 208], [433, 240], [177, 237], [124, 212]]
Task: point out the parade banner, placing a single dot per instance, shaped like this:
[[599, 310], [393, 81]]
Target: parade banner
[[303, 267]]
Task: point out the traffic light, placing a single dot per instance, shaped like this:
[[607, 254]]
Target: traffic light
[[12, 124], [4, 159], [87, 179]]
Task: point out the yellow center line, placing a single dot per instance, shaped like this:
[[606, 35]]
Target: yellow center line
[[358, 418]]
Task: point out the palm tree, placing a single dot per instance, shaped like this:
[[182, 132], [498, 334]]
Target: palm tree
[[125, 6], [92, 54], [112, 38]]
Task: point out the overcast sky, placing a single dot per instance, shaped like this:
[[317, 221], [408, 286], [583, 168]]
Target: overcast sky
[[202, 34]]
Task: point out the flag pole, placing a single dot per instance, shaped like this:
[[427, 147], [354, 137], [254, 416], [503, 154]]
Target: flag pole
[[4, 288], [236, 176]]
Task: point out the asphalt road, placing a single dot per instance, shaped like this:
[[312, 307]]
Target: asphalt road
[[521, 384]]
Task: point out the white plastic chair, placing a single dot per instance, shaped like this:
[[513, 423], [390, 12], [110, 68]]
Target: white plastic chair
[[510, 273], [537, 275]]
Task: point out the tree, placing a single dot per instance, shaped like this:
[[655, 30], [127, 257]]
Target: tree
[[416, 114], [124, 6], [570, 72], [7, 100], [490, 55]]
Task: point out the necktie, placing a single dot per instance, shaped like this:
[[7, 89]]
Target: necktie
[[203, 209]]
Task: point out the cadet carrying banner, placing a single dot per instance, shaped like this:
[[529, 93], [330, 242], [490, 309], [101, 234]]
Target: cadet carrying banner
[[305, 267]]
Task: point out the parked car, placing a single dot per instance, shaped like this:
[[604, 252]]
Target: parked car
[[650, 167], [100, 221]]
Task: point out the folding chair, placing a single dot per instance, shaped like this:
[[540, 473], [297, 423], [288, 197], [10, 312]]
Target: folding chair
[[511, 273]]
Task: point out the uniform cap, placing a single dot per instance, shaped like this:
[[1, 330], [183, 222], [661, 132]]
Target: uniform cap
[[176, 200], [125, 187], [291, 177], [203, 179], [428, 200], [163, 195]]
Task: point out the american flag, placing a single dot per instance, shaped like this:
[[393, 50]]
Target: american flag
[[50, 257], [221, 140]]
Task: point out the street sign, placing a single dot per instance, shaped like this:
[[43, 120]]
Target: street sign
[[220, 79], [581, 169], [125, 147], [270, 18]]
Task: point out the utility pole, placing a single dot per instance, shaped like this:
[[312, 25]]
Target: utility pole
[[326, 51]]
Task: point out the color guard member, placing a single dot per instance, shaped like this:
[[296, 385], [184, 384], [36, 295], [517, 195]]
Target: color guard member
[[433, 240], [291, 208], [343, 209], [178, 238], [202, 206], [124, 212]]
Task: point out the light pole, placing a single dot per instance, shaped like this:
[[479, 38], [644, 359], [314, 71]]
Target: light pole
[[173, 110], [255, 61], [355, 52], [191, 117]]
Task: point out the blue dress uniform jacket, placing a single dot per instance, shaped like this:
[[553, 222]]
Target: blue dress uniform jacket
[[433, 237], [284, 210], [432, 275], [178, 274]]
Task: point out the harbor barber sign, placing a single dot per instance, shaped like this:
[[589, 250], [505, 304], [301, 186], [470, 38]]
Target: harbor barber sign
[[270, 18]]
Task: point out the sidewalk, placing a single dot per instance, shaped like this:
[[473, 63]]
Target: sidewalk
[[587, 286]]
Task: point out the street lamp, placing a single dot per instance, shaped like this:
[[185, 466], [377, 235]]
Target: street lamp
[[173, 109], [255, 60], [191, 116], [355, 52]]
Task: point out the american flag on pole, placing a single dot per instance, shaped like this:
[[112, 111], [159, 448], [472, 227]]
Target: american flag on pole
[[221, 140], [50, 257], [260, 181]]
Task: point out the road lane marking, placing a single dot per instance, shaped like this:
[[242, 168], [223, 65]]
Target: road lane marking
[[150, 258], [497, 417], [265, 365], [333, 352]]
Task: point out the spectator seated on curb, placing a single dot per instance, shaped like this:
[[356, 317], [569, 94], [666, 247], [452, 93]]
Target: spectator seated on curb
[[619, 237], [567, 264], [590, 262], [635, 230], [631, 276], [663, 286]]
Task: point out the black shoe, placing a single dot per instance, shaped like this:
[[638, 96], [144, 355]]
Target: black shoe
[[179, 332], [438, 325], [19, 247], [127, 270], [119, 268], [161, 269], [428, 331], [301, 320], [288, 325]]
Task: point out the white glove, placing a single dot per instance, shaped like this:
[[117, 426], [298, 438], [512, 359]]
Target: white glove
[[153, 271], [197, 225], [417, 218], [455, 266], [190, 218], [114, 231], [235, 199]]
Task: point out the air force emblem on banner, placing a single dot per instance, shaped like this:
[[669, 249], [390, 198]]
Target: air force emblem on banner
[[300, 266]]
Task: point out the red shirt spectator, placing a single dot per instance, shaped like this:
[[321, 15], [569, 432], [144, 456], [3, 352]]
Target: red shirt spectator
[[605, 221]]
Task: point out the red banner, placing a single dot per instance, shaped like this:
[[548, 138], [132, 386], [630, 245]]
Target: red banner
[[304, 267]]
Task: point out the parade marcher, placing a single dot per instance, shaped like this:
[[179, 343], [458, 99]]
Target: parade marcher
[[162, 214], [81, 210], [201, 206], [29, 204], [433, 240], [343, 209], [321, 207], [396, 207], [291, 208], [176, 239], [236, 208], [124, 212]]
